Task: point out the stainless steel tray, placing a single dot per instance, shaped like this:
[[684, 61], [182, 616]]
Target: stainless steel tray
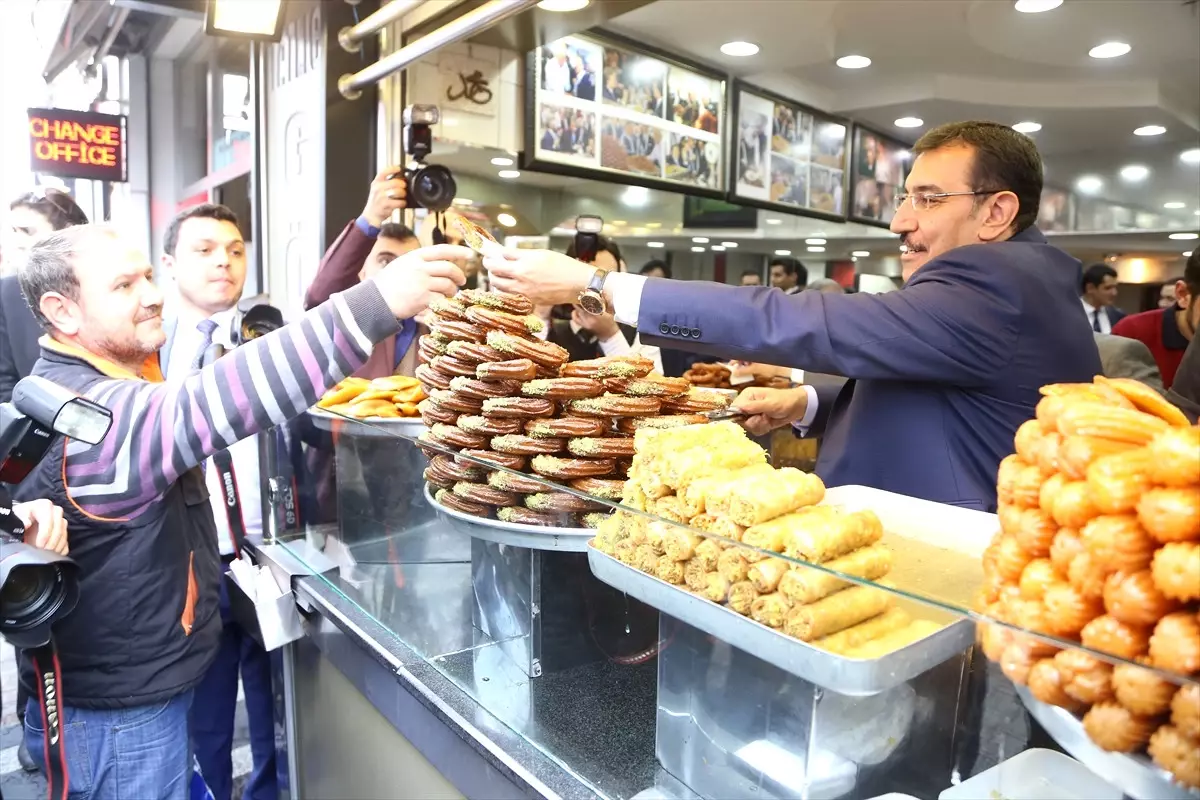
[[849, 676], [1136, 775], [573, 540], [383, 427]]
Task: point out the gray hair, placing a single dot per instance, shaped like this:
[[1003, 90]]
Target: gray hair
[[50, 266], [826, 285]]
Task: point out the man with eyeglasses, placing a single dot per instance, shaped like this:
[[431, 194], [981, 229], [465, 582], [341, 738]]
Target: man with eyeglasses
[[939, 374]]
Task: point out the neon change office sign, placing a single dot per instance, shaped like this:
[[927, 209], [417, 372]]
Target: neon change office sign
[[77, 144]]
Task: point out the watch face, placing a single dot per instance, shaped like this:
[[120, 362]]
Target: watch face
[[591, 302]]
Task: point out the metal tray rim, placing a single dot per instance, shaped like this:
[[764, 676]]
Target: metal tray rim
[[573, 540], [377, 426], [849, 676]]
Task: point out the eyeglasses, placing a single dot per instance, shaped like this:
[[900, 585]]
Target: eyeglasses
[[923, 201]]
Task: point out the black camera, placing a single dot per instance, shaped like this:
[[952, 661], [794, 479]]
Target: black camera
[[430, 186], [38, 587]]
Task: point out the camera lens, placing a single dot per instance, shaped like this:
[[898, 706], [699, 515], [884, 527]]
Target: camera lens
[[27, 588], [37, 588], [433, 187]]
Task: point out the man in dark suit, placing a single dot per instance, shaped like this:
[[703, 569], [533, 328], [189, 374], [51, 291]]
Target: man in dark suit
[[1099, 297], [939, 374]]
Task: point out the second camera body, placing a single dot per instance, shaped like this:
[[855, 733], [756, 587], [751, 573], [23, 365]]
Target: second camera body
[[430, 186]]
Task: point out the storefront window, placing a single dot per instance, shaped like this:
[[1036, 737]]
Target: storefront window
[[232, 107]]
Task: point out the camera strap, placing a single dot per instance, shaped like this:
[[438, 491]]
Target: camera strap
[[232, 501], [48, 674]]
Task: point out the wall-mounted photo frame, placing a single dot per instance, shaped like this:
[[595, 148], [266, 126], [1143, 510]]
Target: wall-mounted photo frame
[[600, 106], [787, 156], [1056, 210], [880, 166]]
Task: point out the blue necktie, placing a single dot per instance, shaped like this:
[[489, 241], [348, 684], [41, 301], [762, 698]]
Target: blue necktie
[[206, 328], [408, 330]]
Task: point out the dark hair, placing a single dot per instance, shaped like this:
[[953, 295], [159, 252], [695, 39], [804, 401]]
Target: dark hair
[[1191, 272], [791, 266], [53, 204], [1095, 275], [603, 245], [394, 230], [754, 272], [204, 211], [656, 263], [1004, 161]]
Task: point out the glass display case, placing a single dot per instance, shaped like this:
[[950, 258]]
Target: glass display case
[[632, 683]]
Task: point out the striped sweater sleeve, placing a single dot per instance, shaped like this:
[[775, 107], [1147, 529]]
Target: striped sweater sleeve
[[160, 430]]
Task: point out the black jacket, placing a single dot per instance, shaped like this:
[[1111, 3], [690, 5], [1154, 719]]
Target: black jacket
[[19, 333]]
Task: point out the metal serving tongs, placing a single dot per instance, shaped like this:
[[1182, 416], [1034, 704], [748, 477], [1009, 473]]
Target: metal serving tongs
[[724, 414]]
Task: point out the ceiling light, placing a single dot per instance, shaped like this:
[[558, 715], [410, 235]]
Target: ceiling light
[[816, 249], [716, 248], [1036, 6], [1190, 156], [728, 244], [653, 224], [508, 174], [1197, 212], [739, 49], [700, 239], [261, 21], [654, 244], [501, 161], [1187, 253], [783, 252], [909, 122], [853, 62], [861, 253], [1149, 130], [1109, 50], [636, 196], [1184, 237], [618, 222], [1027, 127], [1134, 173], [697, 249], [507, 220], [563, 6], [1173, 205], [814, 241], [1089, 184], [463, 201], [774, 221]]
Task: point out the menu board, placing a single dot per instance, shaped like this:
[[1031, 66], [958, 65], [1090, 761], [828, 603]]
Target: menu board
[[788, 155], [609, 107], [880, 167]]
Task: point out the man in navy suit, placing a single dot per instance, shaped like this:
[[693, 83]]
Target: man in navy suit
[[939, 374], [1099, 296]]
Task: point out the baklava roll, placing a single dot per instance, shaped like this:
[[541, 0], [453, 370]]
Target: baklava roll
[[772, 496], [655, 532], [855, 636], [684, 468], [766, 574], [695, 496], [695, 576], [837, 612], [723, 526], [716, 588], [817, 537], [891, 642], [703, 522], [707, 553], [645, 559], [741, 596], [669, 570], [679, 544], [733, 566], [770, 609], [625, 552], [807, 585]]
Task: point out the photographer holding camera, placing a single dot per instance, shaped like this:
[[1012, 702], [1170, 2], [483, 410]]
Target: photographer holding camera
[[147, 627]]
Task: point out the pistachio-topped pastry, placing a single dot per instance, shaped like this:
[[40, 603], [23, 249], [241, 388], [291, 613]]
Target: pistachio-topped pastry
[[546, 354], [601, 447], [520, 324], [629, 366], [449, 308], [562, 388], [512, 303]]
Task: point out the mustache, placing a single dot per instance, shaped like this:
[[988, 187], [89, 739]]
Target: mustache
[[908, 245], [149, 313]]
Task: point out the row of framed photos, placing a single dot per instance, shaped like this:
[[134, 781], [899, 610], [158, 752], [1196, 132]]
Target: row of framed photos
[[606, 107]]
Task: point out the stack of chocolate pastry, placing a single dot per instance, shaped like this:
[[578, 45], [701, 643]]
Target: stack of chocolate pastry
[[1099, 543], [501, 395]]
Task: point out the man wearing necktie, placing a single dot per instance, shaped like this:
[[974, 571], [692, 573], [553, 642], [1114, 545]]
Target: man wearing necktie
[[204, 251], [1099, 295]]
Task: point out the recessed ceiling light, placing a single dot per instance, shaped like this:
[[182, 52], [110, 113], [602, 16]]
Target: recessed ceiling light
[[783, 252], [618, 222], [853, 62], [1027, 127], [654, 244], [507, 220], [1184, 237], [739, 49], [1036, 6], [1197, 212], [1190, 156], [636, 196], [728, 244], [1109, 50], [716, 248], [861, 253], [700, 239], [1187, 253], [508, 174], [774, 221], [1149, 130], [697, 249], [909, 122], [816, 249], [1134, 173], [1089, 184], [463, 201], [501, 161], [563, 6], [653, 225], [814, 241], [1173, 205]]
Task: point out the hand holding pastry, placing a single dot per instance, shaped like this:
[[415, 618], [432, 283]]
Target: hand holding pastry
[[768, 409]]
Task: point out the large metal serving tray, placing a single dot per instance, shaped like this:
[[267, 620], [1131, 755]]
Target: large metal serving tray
[[572, 540], [381, 427], [849, 676]]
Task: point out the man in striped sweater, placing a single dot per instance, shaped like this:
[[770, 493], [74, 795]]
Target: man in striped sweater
[[140, 525]]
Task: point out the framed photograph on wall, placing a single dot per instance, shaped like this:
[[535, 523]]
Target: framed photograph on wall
[[1056, 210], [787, 156], [601, 104], [880, 166]]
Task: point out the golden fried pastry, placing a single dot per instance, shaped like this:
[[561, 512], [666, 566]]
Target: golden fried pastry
[[518, 369], [560, 502], [1072, 504], [766, 574], [992, 638], [482, 390], [1132, 548], [562, 388], [1141, 691], [1176, 570], [836, 612], [512, 303], [1045, 684], [742, 596], [1084, 677], [1049, 492], [1006, 476], [1175, 457], [669, 508], [694, 576], [1032, 616], [1177, 753], [849, 639], [1026, 441], [1087, 574], [1146, 399], [1066, 546], [453, 401], [1076, 453], [628, 366], [1009, 516], [473, 353], [565, 468], [431, 415], [456, 331], [807, 585], [500, 459], [696, 401], [815, 536], [601, 446], [770, 609], [1107, 634], [510, 482], [485, 495], [1171, 515], [1117, 481], [669, 571], [1017, 659], [633, 424], [1109, 422], [593, 519], [546, 354], [1133, 598], [1010, 559], [678, 544], [1067, 610], [453, 501], [1185, 709], [517, 407], [733, 565], [1035, 532], [435, 478], [716, 588], [648, 386], [1046, 451], [614, 405], [646, 559], [1175, 643], [774, 495], [1116, 729], [625, 551], [489, 426], [1027, 488], [432, 378], [603, 488], [707, 553], [445, 465], [1037, 575], [494, 319], [565, 427]]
